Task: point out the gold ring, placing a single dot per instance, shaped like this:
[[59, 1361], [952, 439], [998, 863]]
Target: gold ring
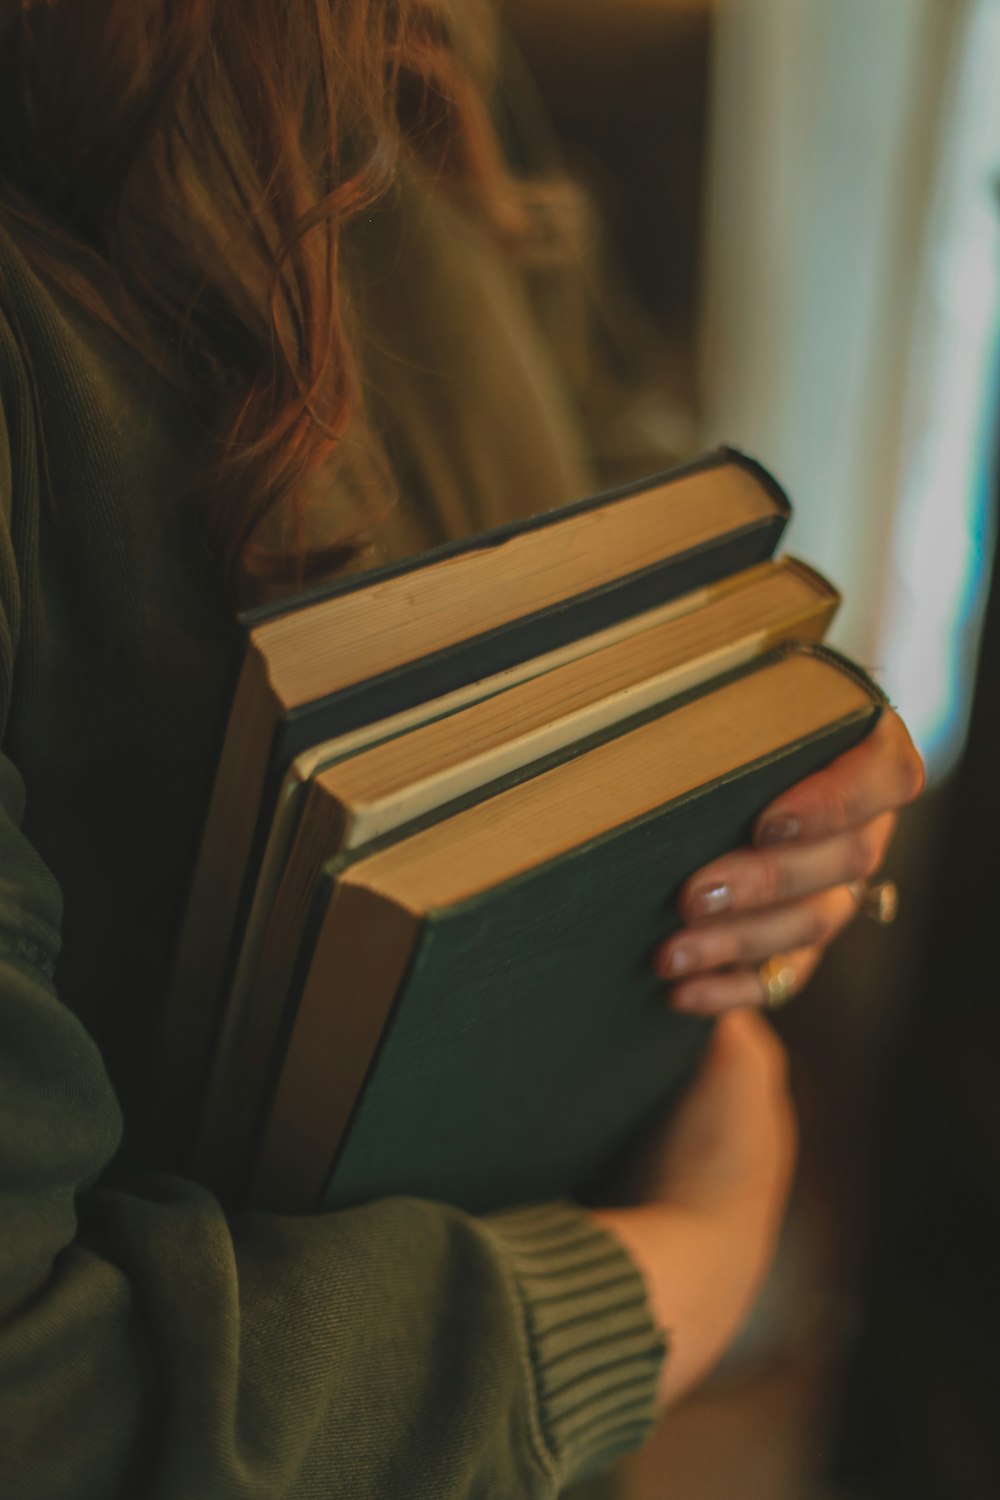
[[777, 979], [879, 902]]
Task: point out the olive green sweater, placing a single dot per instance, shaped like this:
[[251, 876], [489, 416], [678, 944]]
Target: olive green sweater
[[151, 1346]]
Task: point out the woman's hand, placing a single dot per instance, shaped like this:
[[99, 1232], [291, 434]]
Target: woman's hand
[[789, 894], [711, 1190]]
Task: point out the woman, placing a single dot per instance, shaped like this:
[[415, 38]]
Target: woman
[[254, 259]]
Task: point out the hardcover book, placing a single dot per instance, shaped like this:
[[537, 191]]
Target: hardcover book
[[377, 654], [354, 790], [474, 1016]]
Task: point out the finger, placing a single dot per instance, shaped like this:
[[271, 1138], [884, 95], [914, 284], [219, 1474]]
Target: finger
[[750, 879], [883, 772], [741, 941], [714, 994]]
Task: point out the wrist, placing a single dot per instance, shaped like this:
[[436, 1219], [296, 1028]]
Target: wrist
[[700, 1283]]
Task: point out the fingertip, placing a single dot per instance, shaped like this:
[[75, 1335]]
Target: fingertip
[[673, 960], [914, 775], [686, 1001]]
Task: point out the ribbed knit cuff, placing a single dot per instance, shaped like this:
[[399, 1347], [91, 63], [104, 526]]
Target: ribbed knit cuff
[[594, 1347]]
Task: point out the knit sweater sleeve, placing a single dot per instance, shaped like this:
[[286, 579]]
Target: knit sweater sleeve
[[152, 1347]]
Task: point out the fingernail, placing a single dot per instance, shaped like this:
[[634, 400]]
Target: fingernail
[[711, 899], [779, 830], [679, 961]]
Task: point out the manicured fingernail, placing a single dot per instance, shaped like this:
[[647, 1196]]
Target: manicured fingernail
[[779, 830], [679, 961], [710, 899]]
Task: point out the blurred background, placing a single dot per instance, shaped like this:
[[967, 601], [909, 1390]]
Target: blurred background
[[803, 201]]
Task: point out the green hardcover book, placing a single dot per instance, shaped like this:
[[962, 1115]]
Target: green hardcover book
[[352, 791], [475, 1018], [376, 647]]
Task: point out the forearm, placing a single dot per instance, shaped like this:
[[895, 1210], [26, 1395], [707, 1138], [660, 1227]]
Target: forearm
[[711, 1189]]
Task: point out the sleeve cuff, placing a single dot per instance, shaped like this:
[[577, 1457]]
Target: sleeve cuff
[[595, 1350]]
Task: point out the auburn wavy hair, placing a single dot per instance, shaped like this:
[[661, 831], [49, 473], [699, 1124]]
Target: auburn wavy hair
[[210, 155]]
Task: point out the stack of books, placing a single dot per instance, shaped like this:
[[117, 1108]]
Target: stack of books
[[455, 802]]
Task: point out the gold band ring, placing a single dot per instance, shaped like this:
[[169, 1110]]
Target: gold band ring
[[777, 979], [879, 902]]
